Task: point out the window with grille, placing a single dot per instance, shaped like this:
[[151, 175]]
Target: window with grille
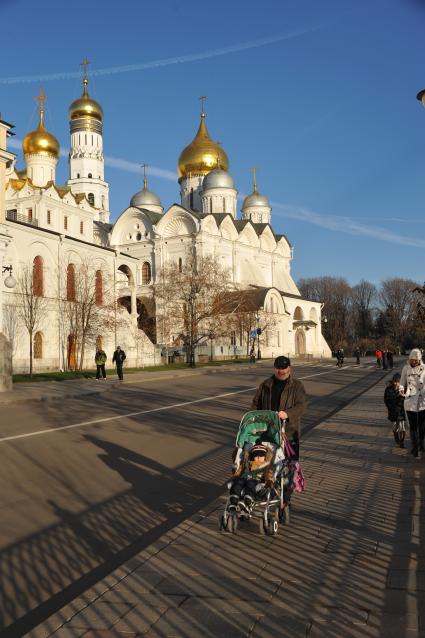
[[98, 288], [90, 197], [146, 273], [70, 282], [37, 276], [29, 214], [49, 217], [65, 222], [38, 345], [81, 227]]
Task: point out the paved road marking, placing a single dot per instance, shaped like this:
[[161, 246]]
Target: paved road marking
[[130, 414]]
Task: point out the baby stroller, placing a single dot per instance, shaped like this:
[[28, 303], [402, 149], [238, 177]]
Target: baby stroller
[[271, 505]]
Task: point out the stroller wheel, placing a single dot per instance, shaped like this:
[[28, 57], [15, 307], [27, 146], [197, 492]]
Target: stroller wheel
[[232, 524], [273, 524], [222, 525]]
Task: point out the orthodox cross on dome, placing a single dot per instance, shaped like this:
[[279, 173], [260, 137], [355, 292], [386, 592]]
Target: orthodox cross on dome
[[254, 172], [203, 99], [145, 183], [84, 64], [40, 99]]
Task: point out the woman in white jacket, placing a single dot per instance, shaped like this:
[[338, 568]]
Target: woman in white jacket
[[413, 383]]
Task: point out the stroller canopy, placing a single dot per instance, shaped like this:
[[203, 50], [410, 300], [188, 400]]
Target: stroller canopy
[[261, 425]]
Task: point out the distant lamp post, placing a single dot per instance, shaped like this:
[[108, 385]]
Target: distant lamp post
[[257, 318], [10, 281]]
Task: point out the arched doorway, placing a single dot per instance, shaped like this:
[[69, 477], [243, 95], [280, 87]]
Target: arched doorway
[[299, 342]]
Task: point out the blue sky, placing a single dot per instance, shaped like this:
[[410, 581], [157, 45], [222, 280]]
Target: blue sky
[[319, 96]]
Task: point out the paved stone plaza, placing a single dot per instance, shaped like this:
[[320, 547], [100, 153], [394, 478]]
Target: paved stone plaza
[[350, 564]]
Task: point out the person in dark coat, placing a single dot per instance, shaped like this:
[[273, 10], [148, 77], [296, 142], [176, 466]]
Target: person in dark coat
[[119, 358], [390, 359], [385, 360], [286, 395], [357, 355], [394, 400]]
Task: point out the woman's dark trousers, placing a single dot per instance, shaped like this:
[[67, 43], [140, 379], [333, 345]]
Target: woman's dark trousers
[[417, 429]]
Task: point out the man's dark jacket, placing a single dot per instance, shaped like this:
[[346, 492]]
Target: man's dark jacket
[[293, 400]]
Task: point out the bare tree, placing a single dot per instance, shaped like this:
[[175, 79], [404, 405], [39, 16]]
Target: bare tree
[[191, 300], [88, 308], [399, 306], [31, 305], [363, 296], [335, 294]]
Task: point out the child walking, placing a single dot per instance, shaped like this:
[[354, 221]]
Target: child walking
[[394, 400]]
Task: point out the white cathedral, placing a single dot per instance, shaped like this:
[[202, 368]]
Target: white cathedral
[[46, 225]]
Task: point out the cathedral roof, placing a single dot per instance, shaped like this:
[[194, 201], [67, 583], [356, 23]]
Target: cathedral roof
[[202, 154], [218, 179]]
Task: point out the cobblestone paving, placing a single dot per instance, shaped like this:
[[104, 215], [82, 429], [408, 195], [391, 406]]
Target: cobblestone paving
[[350, 565]]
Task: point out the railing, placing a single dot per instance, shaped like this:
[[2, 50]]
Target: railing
[[14, 216]]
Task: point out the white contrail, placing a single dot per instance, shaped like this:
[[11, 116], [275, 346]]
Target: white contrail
[[144, 66], [334, 223], [114, 162]]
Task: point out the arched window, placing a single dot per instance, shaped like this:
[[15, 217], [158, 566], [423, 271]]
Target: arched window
[[146, 273], [37, 276], [99, 342], [90, 175], [38, 345], [180, 264], [90, 197], [98, 288], [191, 198], [70, 282], [224, 204]]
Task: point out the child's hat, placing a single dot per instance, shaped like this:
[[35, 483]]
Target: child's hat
[[396, 376], [258, 450]]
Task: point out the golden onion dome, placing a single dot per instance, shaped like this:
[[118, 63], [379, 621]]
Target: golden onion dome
[[202, 155], [85, 106], [40, 141]]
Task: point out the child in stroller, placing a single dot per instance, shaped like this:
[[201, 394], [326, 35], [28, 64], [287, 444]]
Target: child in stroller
[[251, 478], [260, 477]]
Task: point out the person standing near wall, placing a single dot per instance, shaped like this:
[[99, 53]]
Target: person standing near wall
[[413, 383], [119, 358], [100, 360]]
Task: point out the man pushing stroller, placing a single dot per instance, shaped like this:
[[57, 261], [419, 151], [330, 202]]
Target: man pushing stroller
[[250, 480]]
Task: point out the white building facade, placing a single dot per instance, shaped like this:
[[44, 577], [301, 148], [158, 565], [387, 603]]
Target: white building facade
[[57, 228]]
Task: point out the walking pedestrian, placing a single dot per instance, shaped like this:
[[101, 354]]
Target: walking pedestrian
[[413, 383], [379, 358], [357, 355], [284, 394], [390, 359], [100, 360], [119, 358], [394, 400], [384, 360]]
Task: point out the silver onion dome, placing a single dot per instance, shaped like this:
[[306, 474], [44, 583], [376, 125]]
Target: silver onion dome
[[255, 199], [145, 198], [218, 179]]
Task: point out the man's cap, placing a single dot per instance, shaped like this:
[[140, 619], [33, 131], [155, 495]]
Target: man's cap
[[282, 362]]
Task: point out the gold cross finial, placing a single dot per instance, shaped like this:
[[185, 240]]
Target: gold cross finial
[[40, 99], [145, 183], [202, 99], [254, 171], [84, 64]]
